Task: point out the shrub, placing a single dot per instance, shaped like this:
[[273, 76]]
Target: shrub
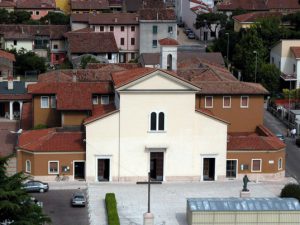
[[111, 209], [39, 127], [291, 191]]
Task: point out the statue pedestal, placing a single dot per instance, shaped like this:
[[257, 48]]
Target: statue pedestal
[[148, 219], [245, 194]]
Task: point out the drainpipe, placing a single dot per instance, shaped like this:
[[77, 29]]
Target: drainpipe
[[119, 158]]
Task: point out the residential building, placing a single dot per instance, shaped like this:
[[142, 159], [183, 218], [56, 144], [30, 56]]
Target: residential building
[[245, 21], [37, 8], [89, 6], [101, 45], [9, 5], [6, 64], [285, 55], [124, 26], [45, 40], [156, 24]]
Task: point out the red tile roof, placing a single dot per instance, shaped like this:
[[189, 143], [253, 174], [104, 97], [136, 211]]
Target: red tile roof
[[113, 66], [72, 96], [15, 96], [283, 4], [168, 41], [99, 111], [36, 4], [251, 5], [49, 140], [89, 5], [9, 56], [296, 51], [26, 117], [91, 42], [157, 14], [7, 4], [254, 16], [262, 140], [114, 18]]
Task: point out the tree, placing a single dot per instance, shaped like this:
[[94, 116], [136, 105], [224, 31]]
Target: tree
[[293, 19], [244, 57], [28, 61], [17, 17], [87, 59], [55, 18], [15, 204], [211, 20], [4, 16], [268, 76]]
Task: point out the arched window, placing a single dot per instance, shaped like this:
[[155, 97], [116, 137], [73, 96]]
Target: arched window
[[153, 121], [161, 121], [157, 121], [28, 166], [169, 62]]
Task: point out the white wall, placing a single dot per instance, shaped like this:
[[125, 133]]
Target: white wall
[[26, 44]]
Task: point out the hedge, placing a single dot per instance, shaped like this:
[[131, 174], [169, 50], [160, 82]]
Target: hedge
[[111, 209], [291, 191]]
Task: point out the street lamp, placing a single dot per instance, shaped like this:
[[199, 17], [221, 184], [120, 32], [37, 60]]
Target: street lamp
[[227, 50], [256, 53]]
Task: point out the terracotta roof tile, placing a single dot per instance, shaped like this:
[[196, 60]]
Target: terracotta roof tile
[[7, 4], [114, 18], [296, 51], [210, 114], [91, 42], [49, 140], [168, 41], [254, 16], [283, 4], [36, 4], [157, 14], [80, 17], [9, 56], [89, 4], [72, 96], [251, 5]]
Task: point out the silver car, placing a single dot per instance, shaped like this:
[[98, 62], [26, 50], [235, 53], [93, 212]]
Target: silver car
[[36, 186], [78, 199]]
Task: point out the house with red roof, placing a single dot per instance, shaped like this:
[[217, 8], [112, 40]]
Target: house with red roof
[[6, 64], [37, 8], [8, 5]]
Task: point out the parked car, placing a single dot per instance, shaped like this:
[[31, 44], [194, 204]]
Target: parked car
[[36, 186], [281, 137], [78, 199], [180, 24], [187, 31], [191, 35]]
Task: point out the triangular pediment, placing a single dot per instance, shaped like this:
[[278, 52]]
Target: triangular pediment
[[159, 81]]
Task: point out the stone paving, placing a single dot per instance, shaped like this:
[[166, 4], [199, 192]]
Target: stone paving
[[168, 201]]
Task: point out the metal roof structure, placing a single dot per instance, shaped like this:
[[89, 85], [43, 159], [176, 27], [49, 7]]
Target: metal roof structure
[[243, 204], [19, 88]]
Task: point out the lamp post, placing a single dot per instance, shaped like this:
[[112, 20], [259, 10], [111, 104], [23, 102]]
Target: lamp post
[[256, 53], [227, 50]]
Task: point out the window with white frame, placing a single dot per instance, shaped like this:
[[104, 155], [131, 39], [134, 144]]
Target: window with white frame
[[104, 100], [44, 102], [226, 102], [280, 164], [53, 102], [157, 121], [53, 167], [95, 100], [244, 101], [28, 166], [209, 102], [256, 165]]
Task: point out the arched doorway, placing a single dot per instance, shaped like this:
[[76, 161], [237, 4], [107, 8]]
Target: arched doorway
[[16, 110], [169, 62]]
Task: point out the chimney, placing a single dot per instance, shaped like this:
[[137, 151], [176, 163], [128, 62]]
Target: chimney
[[74, 77], [10, 82], [137, 18], [116, 19]]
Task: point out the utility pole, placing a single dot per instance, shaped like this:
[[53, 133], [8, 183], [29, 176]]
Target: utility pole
[[227, 50], [148, 216]]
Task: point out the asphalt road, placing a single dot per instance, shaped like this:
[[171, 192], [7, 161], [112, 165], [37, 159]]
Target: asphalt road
[[292, 151], [56, 204]]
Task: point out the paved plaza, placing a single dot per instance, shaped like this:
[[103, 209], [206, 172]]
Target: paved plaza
[[168, 200]]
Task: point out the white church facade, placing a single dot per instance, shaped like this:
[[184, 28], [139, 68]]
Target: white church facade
[[155, 129]]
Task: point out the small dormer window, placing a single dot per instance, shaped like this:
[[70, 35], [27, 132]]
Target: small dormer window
[[104, 100], [157, 121]]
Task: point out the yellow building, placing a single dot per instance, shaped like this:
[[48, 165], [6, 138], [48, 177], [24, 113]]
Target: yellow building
[[64, 5]]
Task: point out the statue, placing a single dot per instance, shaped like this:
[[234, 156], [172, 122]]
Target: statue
[[245, 181]]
